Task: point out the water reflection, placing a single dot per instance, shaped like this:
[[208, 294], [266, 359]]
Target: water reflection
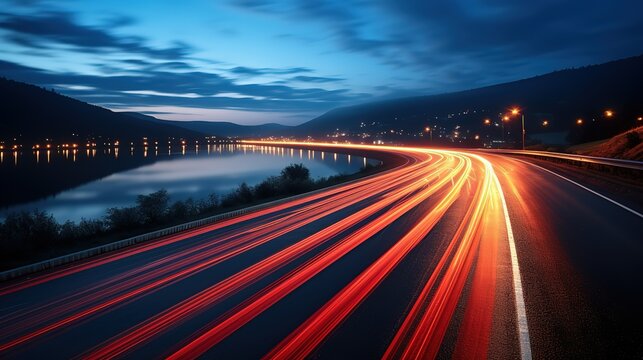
[[88, 182]]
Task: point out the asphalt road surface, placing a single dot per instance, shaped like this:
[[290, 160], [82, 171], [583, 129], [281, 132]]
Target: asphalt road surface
[[449, 255]]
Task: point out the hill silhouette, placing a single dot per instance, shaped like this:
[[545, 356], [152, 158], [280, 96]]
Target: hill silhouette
[[560, 97], [222, 128], [32, 114]]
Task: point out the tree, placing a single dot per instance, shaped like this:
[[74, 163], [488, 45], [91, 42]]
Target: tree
[[153, 207], [296, 179], [272, 186], [295, 172], [125, 218]]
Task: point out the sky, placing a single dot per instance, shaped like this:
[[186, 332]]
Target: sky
[[257, 61]]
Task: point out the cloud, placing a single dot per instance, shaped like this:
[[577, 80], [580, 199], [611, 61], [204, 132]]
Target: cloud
[[49, 28], [316, 79], [247, 71], [192, 89], [455, 44]]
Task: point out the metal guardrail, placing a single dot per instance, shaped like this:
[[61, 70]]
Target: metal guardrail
[[617, 163]]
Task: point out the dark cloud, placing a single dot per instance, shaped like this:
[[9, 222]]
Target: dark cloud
[[316, 79], [43, 30], [463, 43], [247, 71], [150, 87]]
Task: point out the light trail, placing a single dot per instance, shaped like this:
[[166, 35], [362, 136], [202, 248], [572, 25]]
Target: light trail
[[285, 286], [253, 238], [138, 291], [289, 245], [254, 273]]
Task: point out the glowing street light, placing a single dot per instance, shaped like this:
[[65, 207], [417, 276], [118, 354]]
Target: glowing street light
[[609, 113], [579, 121], [430, 131], [516, 111], [487, 121], [545, 122], [640, 118]]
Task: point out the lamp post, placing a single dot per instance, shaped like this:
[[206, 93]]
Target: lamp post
[[502, 126], [430, 131], [516, 111]]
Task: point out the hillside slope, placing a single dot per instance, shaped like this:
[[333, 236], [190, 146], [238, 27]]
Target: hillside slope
[[627, 145], [31, 113], [560, 97]]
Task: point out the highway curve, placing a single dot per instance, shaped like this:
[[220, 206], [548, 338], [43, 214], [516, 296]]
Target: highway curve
[[451, 254]]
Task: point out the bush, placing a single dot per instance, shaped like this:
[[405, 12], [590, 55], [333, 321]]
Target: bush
[[242, 195], [125, 218], [183, 209], [208, 204], [268, 188], [153, 207], [295, 173], [27, 230]]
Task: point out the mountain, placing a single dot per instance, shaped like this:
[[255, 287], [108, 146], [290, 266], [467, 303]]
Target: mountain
[[33, 114], [560, 98], [222, 128]]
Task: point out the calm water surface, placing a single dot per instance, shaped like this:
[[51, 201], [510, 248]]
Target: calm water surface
[[73, 184]]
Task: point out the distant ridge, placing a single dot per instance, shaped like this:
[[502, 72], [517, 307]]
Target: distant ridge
[[561, 97], [222, 128], [31, 113]]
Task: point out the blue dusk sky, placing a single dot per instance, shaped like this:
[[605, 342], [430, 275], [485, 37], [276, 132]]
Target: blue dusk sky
[[256, 61]]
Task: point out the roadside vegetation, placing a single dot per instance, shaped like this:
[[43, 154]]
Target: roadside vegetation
[[27, 237], [627, 145]]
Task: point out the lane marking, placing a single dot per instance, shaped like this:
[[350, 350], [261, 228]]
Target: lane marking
[[521, 313], [586, 188]]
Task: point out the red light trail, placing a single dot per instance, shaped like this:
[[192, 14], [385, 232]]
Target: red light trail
[[290, 244]]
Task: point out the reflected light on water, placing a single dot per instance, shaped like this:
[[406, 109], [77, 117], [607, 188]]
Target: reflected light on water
[[198, 173]]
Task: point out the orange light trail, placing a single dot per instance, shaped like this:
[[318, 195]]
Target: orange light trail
[[361, 209]]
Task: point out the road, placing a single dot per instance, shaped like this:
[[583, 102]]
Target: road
[[452, 254]]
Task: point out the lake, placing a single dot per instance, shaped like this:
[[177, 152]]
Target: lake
[[75, 183]]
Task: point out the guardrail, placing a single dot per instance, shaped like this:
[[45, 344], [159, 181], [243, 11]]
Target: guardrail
[[580, 159], [84, 254]]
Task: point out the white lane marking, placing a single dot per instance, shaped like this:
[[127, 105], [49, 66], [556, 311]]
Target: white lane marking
[[521, 313], [586, 188]]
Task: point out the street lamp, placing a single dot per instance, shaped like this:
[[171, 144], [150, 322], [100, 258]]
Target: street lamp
[[430, 131], [502, 127], [516, 111], [487, 121], [545, 122], [579, 121], [609, 113]]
